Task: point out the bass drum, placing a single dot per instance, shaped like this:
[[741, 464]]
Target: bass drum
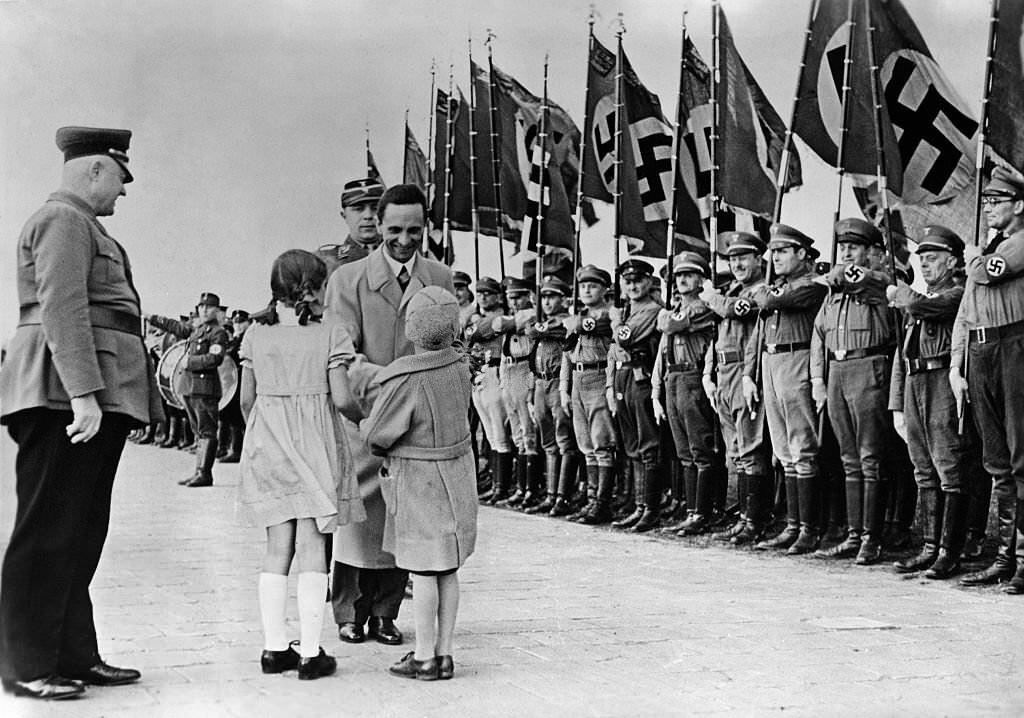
[[172, 380]]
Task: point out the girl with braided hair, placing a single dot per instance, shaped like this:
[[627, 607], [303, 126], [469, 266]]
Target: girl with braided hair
[[297, 476]]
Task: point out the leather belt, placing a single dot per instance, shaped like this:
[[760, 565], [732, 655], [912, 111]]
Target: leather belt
[[985, 335], [100, 317], [547, 376], [682, 366], [847, 354], [917, 366], [589, 365], [730, 356], [515, 360], [786, 348]]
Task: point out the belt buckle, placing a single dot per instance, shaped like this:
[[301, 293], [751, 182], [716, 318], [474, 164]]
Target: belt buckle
[[771, 348], [508, 359], [618, 365], [839, 354], [982, 335], [579, 366]]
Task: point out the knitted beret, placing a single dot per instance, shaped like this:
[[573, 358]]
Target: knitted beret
[[432, 318]]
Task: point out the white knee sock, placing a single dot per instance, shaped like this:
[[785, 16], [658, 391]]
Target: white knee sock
[[273, 599], [312, 588]]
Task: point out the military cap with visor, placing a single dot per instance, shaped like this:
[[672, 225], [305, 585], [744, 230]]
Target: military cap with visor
[[858, 231], [1004, 183], [515, 285], [361, 190], [635, 269], [554, 285], [77, 142], [461, 279], [690, 262], [209, 299], [593, 273], [740, 243], [782, 235], [239, 315], [488, 285], [936, 238]]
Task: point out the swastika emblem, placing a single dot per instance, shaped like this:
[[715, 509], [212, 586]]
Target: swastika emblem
[[588, 324], [995, 266], [775, 291], [623, 333], [542, 327], [853, 274], [742, 307]]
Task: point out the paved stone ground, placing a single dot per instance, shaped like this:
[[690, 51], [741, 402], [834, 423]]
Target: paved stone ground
[[557, 620]]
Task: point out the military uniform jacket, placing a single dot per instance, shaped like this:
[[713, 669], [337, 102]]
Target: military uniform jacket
[[636, 336], [929, 328], [855, 316], [73, 278], [350, 250], [548, 343], [588, 336], [516, 344], [206, 348], [993, 294], [738, 308], [687, 334], [482, 341]]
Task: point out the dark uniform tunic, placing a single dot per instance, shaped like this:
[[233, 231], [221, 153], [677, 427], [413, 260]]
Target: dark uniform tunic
[[485, 344], [556, 435], [516, 377], [583, 375], [630, 365]]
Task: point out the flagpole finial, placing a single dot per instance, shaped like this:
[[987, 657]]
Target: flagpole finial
[[490, 37], [593, 15], [619, 24]]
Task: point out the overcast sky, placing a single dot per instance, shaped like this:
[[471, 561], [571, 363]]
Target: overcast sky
[[249, 115]]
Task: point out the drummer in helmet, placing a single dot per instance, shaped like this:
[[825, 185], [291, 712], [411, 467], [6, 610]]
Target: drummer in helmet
[[205, 351]]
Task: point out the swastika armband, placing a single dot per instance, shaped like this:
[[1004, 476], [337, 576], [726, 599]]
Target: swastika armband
[[995, 266], [588, 324], [854, 274], [623, 333], [742, 307], [216, 349]]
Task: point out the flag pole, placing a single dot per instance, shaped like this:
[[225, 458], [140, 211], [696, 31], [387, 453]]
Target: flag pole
[[430, 146], [542, 143], [579, 185], [787, 144], [716, 11], [986, 90], [843, 127], [880, 164], [495, 149], [671, 233], [405, 155], [472, 164], [617, 165], [449, 148]]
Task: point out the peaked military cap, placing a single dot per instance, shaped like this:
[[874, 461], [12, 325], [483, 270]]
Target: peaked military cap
[[782, 235], [361, 190], [515, 285], [486, 284], [210, 299], [461, 279], [859, 231], [635, 269], [935, 237], [87, 141], [239, 315], [1004, 183], [554, 285], [690, 262], [593, 273], [740, 243]]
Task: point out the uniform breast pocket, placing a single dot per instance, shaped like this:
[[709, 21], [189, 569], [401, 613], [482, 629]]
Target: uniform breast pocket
[[108, 265]]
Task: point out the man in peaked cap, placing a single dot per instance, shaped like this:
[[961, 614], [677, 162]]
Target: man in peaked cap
[[787, 315], [851, 353], [359, 199], [464, 295], [743, 431], [987, 343], [687, 334], [206, 349], [630, 366], [582, 388], [75, 382], [923, 407]]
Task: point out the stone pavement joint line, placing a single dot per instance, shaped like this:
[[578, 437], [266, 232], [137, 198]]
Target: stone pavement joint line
[[557, 619]]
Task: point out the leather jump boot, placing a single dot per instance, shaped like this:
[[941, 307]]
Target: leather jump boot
[[705, 492], [1003, 568], [486, 483], [173, 430], [810, 512], [742, 495], [553, 464], [502, 473], [601, 511], [187, 439], [754, 521], [874, 521], [931, 507], [206, 454], [636, 469], [980, 495], [651, 496], [592, 482], [148, 433], [521, 465], [1016, 585], [222, 438], [789, 535], [687, 497], [234, 453], [533, 483], [566, 485], [671, 508], [850, 546], [954, 533]]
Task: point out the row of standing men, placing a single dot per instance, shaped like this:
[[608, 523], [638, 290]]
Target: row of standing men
[[792, 391]]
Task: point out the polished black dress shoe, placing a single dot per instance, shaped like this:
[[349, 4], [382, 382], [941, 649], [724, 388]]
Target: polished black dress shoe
[[445, 667], [351, 632], [103, 675], [279, 661], [47, 688], [383, 630], [409, 667], [318, 666]]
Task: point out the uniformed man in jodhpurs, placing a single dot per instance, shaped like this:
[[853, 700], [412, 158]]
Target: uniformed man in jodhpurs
[[987, 346]]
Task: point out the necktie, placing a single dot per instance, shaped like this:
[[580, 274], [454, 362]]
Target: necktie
[[403, 279]]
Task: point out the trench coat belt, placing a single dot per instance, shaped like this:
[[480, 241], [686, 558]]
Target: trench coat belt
[[102, 317], [431, 453]]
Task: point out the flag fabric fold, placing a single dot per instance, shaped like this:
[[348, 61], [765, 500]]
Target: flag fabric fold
[[1005, 134], [414, 167]]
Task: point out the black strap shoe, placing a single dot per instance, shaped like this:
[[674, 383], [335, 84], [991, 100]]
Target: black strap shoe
[[104, 675], [47, 688], [409, 667], [318, 666], [280, 661]]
